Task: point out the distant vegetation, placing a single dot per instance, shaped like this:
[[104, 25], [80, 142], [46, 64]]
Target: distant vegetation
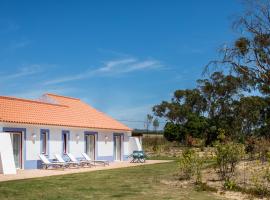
[[219, 131], [232, 100]]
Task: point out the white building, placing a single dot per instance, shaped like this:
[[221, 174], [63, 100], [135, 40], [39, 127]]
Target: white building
[[57, 125]]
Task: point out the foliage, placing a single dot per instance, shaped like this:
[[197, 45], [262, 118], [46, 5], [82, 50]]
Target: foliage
[[260, 180], [190, 165], [218, 104], [225, 100], [195, 126], [149, 119], [227, 156], [262, 147], [221, 135], [183, 103], [174, 132], [250, 147], [155, 124], [149, 142], [249, 55], [229, 185]]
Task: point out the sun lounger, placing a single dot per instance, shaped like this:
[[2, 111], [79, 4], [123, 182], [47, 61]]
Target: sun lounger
[[80, 162], [69, 163], [104, 162], [47, 164]]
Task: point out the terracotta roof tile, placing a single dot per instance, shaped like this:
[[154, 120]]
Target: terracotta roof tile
[[65, 111]]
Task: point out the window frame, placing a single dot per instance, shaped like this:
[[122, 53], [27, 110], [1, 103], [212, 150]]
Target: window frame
[[65, 142], [44, 141]]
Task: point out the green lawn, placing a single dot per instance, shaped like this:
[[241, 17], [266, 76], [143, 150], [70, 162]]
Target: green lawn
[[141, 182]]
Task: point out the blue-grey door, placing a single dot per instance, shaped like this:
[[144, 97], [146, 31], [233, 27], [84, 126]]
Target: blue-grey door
[[90, 144], [16, 139], [117, 148]]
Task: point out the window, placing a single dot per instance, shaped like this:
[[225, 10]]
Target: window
[[44, 141], [65, 142]]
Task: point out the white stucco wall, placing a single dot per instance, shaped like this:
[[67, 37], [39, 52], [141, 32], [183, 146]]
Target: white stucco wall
[[104, 148]]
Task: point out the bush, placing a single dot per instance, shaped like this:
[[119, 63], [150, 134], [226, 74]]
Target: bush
[[262, 147], [250, 147], [227, 156], [191, 165], [174, 132], [260, 180], [230, 185]]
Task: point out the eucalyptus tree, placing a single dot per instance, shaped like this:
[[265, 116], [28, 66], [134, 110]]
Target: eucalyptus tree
[[184, 114], [155, 124], [149, 119], [249, 54], [220, 92]]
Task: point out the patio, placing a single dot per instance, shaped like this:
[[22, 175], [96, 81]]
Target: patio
[[26, 174]]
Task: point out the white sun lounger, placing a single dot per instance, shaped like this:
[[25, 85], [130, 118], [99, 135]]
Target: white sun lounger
[[46, 163], [86, 157], [80, 162], [69, 163]]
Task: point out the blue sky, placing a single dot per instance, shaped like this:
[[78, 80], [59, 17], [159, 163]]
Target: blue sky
[[122, 57]]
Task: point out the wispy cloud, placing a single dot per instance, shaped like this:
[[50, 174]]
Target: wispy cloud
[[37, 92], [111, 68], [7, 26], [18, 44], [23, 71]]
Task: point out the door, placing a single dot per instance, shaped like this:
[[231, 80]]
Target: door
[[16, 139], [90, 146], [117, 147]]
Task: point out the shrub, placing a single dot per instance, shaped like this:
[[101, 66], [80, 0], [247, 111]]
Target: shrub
[[250, 147], [227, 156], [221, 135], [229, 185], [174, 132], [191, 165], [262, 147], [260, 180]]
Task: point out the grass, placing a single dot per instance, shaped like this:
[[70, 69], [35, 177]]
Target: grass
[[142, 182], [161, 157]]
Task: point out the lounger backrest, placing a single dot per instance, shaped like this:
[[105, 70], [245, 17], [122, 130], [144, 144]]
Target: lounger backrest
[[71, 157], [59, 158], [86, 157], [44, 159]]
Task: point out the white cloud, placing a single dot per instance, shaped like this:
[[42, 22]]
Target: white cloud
[[111, 68], [36, 93], [7, 26], [22, 71], [18, 44]]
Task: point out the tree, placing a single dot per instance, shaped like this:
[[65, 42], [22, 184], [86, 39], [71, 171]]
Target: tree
[[183, 102], [149, 119], [250, 114], [196, 126], [220, 92], [221, 101], [155, 124], [174, 132], [184, 115], [249, 56]]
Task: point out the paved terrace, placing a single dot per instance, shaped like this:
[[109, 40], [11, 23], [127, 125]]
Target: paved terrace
[[26, 174]]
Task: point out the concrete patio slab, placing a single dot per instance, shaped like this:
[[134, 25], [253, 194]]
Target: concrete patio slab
[[26, 174]]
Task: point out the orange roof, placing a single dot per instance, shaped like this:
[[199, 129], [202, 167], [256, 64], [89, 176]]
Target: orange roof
[[56, 110]]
